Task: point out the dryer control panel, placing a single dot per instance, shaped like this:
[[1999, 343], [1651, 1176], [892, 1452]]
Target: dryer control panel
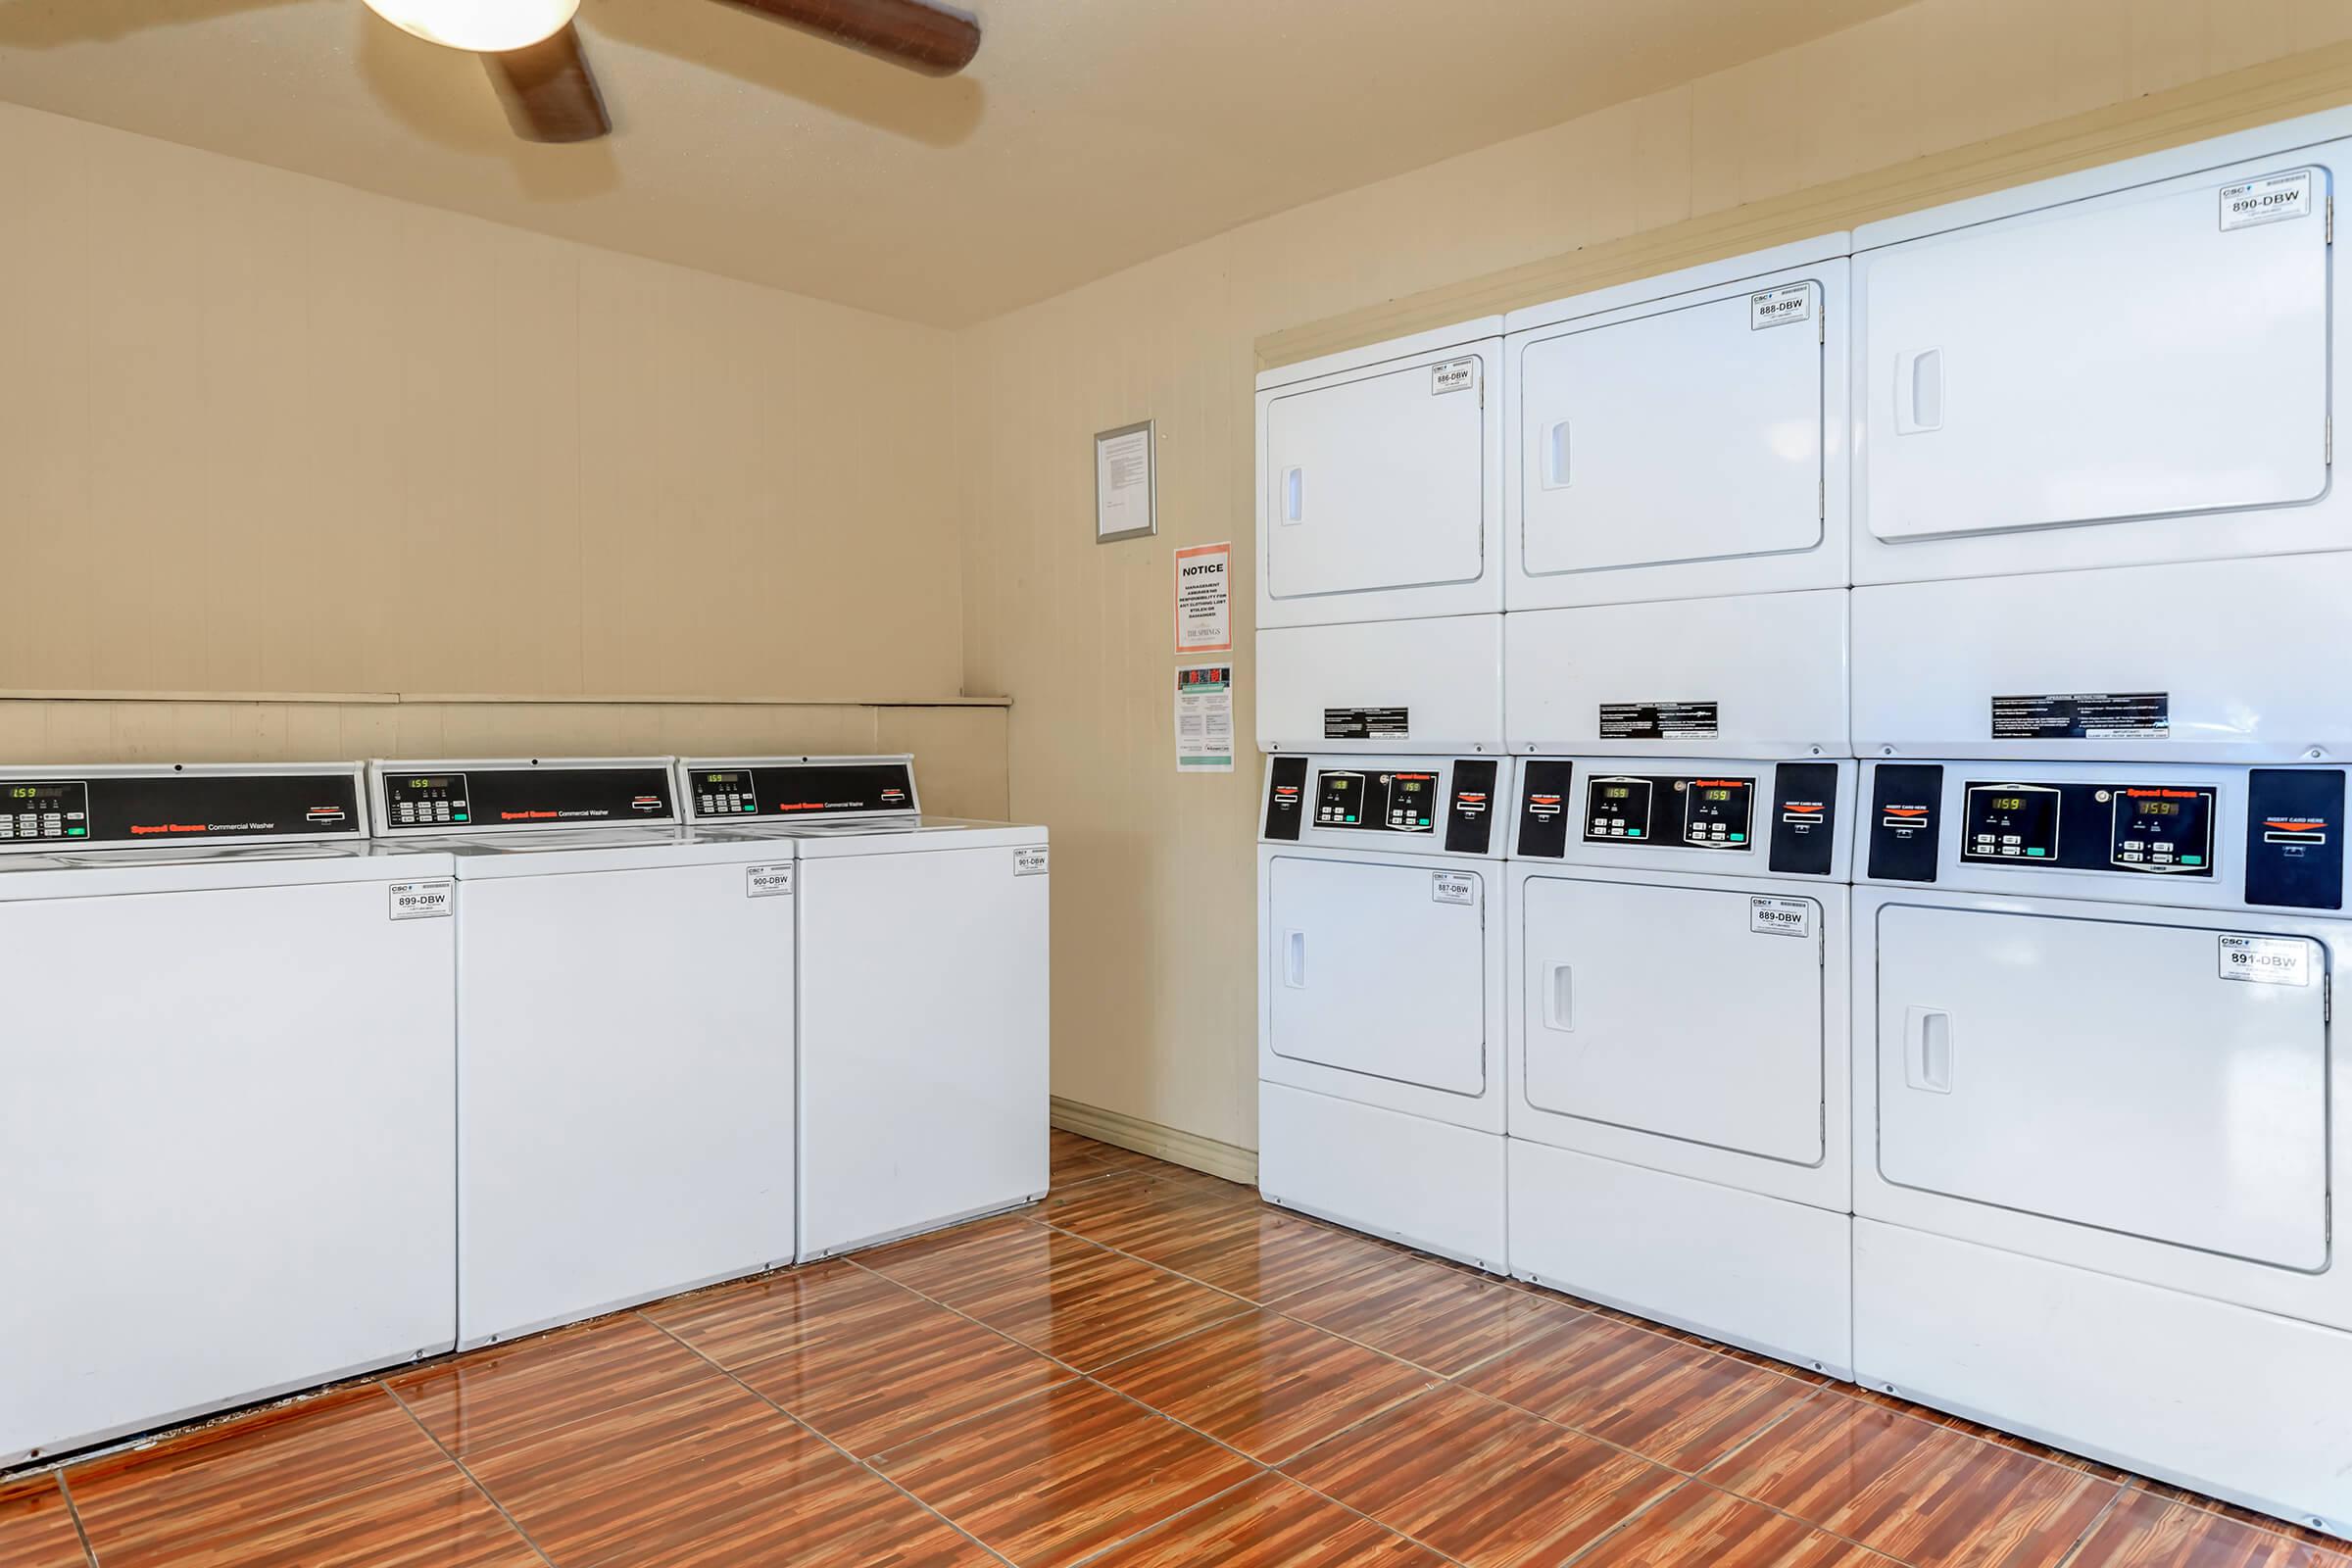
[[1791, 810], [2170, 835], [1429, 805], [415, 800], [120, 808]]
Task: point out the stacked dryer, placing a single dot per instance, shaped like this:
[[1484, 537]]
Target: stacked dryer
[[1676, 667], [2101, 678], [1379, 691]]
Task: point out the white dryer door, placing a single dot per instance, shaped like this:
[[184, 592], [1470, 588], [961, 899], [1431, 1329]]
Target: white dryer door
[[1677, 1011], [2110, 1074], [1694, 434], [1372, 971], [1378, 482], [2128, 359]]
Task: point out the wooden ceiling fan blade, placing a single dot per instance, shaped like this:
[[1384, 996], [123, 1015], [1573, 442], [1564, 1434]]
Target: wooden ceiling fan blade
[[936, 41], [548, 92]]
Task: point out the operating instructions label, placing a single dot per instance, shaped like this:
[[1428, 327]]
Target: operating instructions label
[[1657, 722], [2082, 716]]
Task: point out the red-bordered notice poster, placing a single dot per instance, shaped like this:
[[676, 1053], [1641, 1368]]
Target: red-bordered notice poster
[[1203, 607]]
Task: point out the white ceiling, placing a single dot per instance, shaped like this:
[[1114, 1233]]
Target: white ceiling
[[1089, 134]]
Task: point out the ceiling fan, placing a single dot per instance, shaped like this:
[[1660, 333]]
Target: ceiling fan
[[535, 60]]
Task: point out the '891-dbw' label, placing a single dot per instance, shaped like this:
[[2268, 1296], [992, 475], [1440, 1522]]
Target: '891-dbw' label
[[2267, 961]]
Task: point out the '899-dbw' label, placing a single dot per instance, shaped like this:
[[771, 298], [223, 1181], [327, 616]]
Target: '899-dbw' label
[[424, 900]]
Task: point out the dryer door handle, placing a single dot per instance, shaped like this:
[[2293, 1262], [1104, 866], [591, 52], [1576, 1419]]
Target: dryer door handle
[[1294, 496], [1559, 998], [1555, 455], [1293, 960], [1928, 1050], [1917, 391]]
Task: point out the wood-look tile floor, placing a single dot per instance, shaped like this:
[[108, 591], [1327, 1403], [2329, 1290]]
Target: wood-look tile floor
[[1149, 1369]]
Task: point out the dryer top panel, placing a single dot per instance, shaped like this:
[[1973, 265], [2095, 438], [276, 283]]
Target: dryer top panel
[[471, 799], [1689, 279], [52, 809], [1436, 340], [2282, 139], [799, 789], [1418, 804]]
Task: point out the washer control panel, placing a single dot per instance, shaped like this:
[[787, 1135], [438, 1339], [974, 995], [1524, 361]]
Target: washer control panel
[[797, 788], [53, 809], [116, 807], [427, 800], [2161, 828], [470, 798], [1700, 812]]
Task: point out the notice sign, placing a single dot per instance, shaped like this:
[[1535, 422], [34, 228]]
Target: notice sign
[[1204, 718], [1203, 602]]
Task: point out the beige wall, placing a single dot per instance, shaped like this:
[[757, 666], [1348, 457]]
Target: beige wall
[[260, 433], [1155, 987]]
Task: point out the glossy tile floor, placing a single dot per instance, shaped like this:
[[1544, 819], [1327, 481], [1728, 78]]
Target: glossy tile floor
[[1148, 1370]]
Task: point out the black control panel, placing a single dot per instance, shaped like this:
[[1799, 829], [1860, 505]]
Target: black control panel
[[1470, 820], [422, 797], [1703, 813], [1804, 818], [427, 800], [754, 791], [1544, 807], [2295, 837], [1399, 800], [1286, 794], [1906, 821], [1689, 811], [1372, 798], [2159, 829], [173, 807]]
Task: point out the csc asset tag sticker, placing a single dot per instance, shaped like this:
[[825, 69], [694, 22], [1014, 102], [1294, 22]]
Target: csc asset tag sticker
[[1453, 887], [1455, 376], [1029, 863], [2267, 961], [2272, 199], [1778, 307], [1780, 917], [421, 901], [766, 881]]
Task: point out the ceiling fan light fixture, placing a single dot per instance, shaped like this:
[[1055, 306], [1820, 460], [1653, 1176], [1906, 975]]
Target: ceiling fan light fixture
[[485, 26]]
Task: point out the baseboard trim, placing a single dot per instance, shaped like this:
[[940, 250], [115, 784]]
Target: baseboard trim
[[1229, 1160]]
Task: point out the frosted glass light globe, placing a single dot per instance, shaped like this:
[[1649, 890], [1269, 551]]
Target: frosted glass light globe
[[486, 26]]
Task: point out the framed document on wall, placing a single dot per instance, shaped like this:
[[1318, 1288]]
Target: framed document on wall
[[1126, 483]]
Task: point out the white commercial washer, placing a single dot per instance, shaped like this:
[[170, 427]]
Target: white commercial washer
[[2101, 1118], [925, 998], [228, 1135], [1380, 566], [1381, 996], [625, 1089], [1678, 1043], [2094, 462]]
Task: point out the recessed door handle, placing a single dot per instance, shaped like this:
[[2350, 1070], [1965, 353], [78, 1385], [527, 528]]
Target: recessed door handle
[[1559, 998], [1555, 455], [1294, 496], [1917, 391], [1928, 1050], [1293, 960]]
